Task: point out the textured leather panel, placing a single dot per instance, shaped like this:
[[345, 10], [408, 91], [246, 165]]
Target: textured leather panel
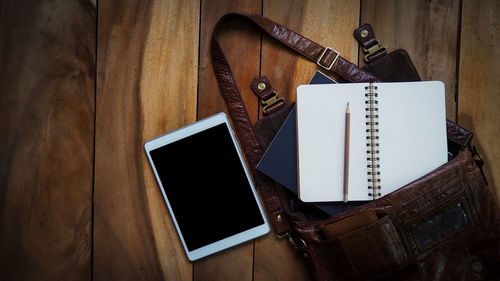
[[266, 128], [374, 248], [457, 134], [394, 67]]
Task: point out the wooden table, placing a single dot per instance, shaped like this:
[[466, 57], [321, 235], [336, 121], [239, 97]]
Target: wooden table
[[83, 87]]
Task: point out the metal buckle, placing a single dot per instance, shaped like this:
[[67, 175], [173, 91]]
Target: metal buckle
[[372, 50], [281, 236], [272, 100], [297, 243], [333, 62]]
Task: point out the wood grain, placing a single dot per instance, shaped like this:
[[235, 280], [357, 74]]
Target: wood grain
[[146, 86], [428, 30], [241, 45], [478, 88], [47, 54]]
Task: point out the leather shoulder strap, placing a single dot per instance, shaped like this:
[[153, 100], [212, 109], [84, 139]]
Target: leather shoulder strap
[[324, 57]]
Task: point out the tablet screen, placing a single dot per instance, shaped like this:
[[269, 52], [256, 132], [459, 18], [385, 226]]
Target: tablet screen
[[207, 187]]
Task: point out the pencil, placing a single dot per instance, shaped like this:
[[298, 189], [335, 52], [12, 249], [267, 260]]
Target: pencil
[[346, 151]]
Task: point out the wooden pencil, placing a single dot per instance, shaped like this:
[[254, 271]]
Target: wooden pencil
[[346, 151]]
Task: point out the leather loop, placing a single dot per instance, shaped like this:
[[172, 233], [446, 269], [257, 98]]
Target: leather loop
[[366, 38], [269, 98], [262, 88]]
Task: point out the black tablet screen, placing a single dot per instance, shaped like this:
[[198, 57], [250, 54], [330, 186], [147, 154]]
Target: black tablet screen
[[206, 186]]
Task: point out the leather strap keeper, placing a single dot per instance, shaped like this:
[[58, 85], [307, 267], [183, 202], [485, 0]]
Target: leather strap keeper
[[366, 38], [268, 97]]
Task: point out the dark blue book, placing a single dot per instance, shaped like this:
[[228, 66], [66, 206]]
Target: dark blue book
[[280, 159]]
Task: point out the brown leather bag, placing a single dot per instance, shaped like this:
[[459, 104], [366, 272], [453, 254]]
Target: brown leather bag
[[443, 226]]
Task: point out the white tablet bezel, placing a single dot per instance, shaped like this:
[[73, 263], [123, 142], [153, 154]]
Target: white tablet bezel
[[184, 132]]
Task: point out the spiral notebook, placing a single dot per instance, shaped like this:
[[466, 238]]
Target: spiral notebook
[[397, 134]]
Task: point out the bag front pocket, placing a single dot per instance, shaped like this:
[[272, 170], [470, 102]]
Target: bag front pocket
[[374, 248], [368, 251]]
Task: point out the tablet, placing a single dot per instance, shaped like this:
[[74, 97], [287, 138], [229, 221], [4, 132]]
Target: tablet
[[207, 187]]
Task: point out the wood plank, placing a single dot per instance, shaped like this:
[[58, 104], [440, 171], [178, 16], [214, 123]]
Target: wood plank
[[329, 23], [428, 30], [478, 94], [146, 86], [47, 54], [241, 45]]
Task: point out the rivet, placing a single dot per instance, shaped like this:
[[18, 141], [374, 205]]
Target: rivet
[[477, 267], [279, 217], [364, 33], [261, 86]]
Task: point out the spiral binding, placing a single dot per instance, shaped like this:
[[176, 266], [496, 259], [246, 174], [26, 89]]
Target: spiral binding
[[372, 141]]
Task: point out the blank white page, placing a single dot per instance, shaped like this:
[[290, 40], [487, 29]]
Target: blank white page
[[320, 142], [412, 118]]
